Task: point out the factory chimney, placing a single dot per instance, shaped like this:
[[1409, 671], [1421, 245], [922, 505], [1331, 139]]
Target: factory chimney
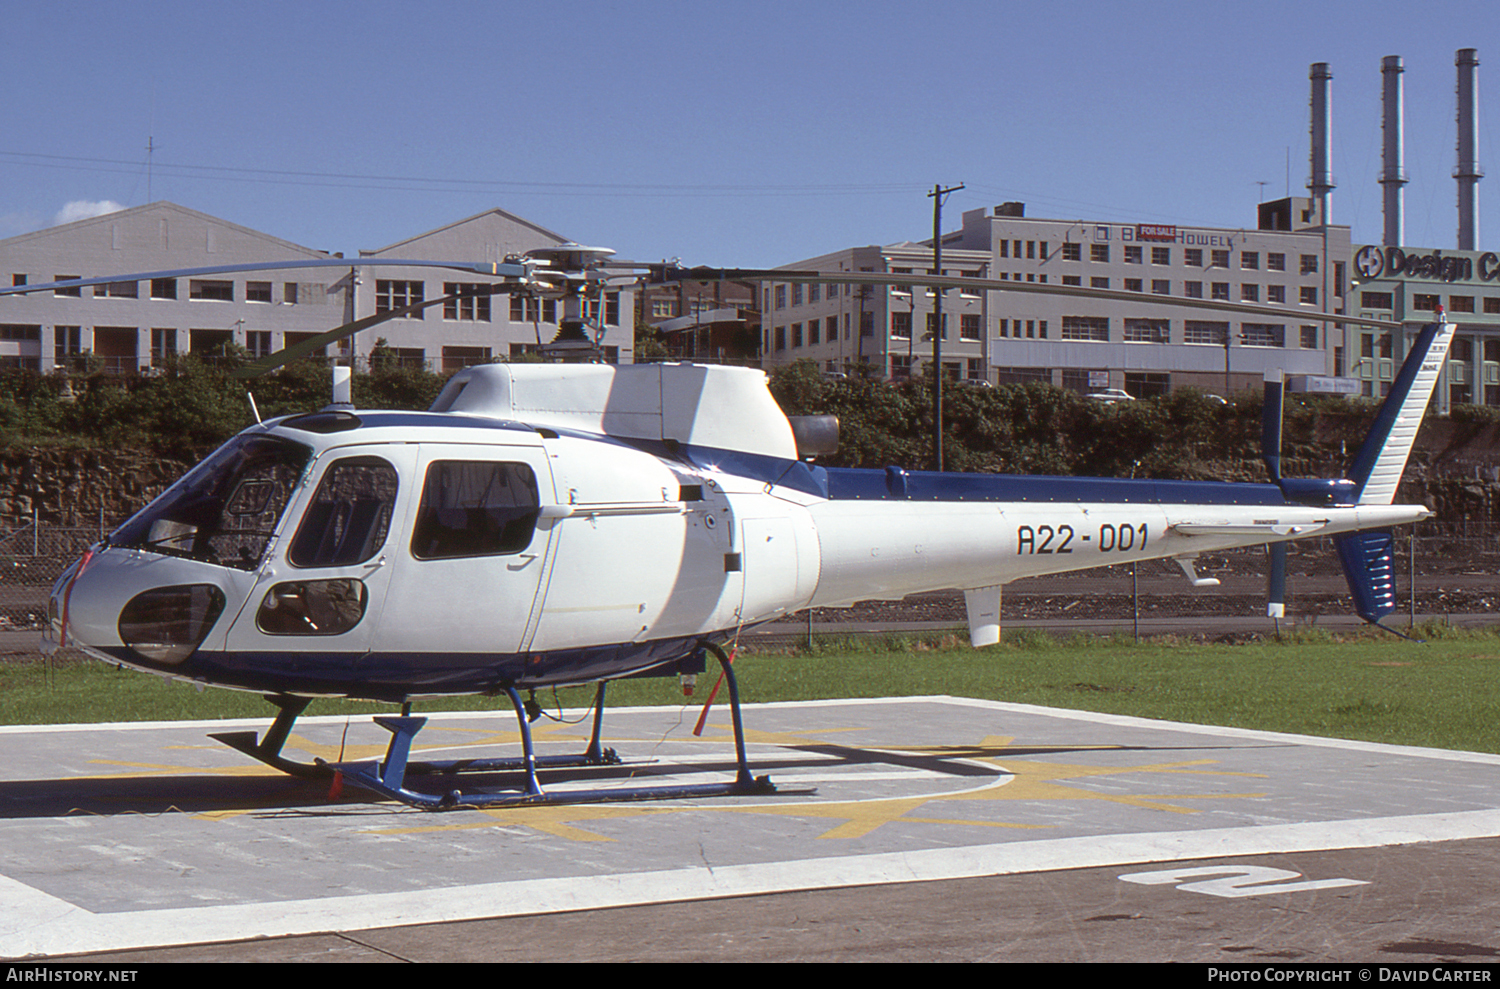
[[1393, 155], [1468, 173], [1321, 183]]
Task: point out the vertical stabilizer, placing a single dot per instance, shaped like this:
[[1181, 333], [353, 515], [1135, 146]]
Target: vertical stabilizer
[[1378, 468]]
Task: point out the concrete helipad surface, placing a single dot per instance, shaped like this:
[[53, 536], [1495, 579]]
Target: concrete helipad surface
[[132, 836]]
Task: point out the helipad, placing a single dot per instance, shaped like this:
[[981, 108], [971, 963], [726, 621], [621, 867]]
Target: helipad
[[120, 836]]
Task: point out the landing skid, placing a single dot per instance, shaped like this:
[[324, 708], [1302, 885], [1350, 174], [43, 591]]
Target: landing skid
[[388, 777]]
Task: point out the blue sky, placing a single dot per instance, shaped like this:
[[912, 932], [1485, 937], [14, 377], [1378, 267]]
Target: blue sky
[[730, 133]]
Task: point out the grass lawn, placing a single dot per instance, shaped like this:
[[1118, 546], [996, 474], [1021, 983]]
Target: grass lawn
[[1441, 693]]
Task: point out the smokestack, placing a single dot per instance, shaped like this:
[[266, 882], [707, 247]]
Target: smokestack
[[1468, 173], [1393, 156], [1321, 183]]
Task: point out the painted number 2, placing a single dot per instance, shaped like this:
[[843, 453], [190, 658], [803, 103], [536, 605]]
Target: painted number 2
[[1236, 880]]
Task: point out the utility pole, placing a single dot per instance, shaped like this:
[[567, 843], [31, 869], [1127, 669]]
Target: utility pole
[[937, 194]]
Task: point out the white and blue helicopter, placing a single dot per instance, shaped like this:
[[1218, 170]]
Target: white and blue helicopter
[[575, 523]]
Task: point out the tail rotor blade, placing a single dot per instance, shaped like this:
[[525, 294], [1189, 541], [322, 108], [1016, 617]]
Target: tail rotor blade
[[1270, 424]]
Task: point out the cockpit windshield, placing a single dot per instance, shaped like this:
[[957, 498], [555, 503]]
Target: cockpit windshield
[[226, 509]]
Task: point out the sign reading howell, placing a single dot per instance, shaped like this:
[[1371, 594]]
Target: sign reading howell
[[1393, 262]]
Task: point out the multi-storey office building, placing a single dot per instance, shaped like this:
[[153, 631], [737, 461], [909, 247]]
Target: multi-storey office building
[[885, 328], [1407, 285], [129, 325], [1149, 348]]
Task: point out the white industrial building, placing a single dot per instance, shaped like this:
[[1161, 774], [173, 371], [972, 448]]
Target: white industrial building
[[129, 325], [1288, 262], [887, 329]]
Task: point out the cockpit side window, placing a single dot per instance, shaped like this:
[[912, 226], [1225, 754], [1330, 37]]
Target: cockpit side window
[[475, 508], [349, 516]]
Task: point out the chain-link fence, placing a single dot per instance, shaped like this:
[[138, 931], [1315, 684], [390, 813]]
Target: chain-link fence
[[1449, 571]]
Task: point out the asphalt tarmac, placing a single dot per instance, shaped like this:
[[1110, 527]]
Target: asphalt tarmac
[[914, 829]]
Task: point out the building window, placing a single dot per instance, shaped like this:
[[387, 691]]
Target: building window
[[901, 325], [797, 294], [1460, 303], [1377, 300], [797, 333], [1263, 334], [392, 295], [17, 280], [1220, 259], [1072, 251], [163, 345], [1095, 328], [1220, 291], [1147, 330], [814, 292], [1250, 259], [1205, 332], [781, 338], [1424, 303], [781, 297], [1147, 384], [1098, 283], [67, 344], [1161, 286], [1133, 285], [1161, 255], [1133, 254], [257, 291], [117, 290], [932, 325], [1098, 252], [1492, 305], [473, 303], [814, 331], [163, 288], [289, 293], [1309, 337], [1078, 280], [1309, 295], [458, 358], [1192, 257], [1192, 290], [216, 291], [258, 342], [75, 292], [968, 326], [1249, 293], [1275, 262], [900, 367], [1309, 264], [1275, 293]]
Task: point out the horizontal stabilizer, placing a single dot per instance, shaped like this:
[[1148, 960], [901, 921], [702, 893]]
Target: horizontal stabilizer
[[1369, 560], [1267, 529]]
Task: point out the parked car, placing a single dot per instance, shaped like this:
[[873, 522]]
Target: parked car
[[1110, 396]]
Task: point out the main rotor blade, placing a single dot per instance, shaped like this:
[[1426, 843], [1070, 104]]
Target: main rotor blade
[[288, 354], [668, 273], [494, 268]]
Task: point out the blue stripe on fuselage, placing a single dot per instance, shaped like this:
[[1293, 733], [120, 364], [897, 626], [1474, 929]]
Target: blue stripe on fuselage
[[854, 485]]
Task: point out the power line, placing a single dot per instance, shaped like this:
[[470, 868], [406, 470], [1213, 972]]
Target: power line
[[422, 183]]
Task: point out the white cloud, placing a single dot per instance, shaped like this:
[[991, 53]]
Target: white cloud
[[82, 209]]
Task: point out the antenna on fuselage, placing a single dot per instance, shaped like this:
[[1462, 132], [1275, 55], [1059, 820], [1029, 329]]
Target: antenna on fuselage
[[343, 391]]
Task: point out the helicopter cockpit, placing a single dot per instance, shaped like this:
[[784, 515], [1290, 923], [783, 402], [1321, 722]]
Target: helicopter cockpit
[[226, 509]]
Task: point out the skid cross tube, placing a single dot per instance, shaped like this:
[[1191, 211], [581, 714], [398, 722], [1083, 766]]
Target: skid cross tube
[[387, 778], [268, 748]]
